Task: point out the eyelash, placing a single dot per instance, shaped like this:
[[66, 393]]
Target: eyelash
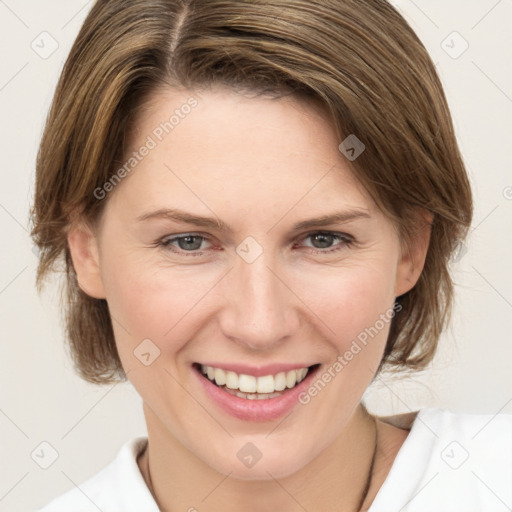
[[344, 239]]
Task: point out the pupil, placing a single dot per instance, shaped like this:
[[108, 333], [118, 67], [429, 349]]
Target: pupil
[[325, 240], [187, 242]]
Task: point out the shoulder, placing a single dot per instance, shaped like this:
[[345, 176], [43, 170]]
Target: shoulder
[[451, 462], [117, 487]]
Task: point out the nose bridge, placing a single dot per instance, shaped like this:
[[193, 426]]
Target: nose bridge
[[259, 312]]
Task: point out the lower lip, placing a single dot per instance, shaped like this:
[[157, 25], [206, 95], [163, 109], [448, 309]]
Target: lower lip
[[256, 410]]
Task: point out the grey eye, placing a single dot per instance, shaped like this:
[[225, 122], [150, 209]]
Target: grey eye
[[190, 242], [322, 240]]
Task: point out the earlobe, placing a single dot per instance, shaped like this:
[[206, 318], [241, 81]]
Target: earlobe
[[83, 247], [413, 257]]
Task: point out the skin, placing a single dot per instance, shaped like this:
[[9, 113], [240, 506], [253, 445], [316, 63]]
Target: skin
[[260, 165]]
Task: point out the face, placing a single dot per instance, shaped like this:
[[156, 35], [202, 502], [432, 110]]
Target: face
[[209, 254]]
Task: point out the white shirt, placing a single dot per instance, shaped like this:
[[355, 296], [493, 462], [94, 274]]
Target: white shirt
[[448, 463]]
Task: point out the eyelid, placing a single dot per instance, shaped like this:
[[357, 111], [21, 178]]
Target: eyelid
[[326, 232], [345, 239], [171, 238]]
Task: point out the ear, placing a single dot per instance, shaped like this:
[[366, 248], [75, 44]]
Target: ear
[[413, 255], [83, 246]]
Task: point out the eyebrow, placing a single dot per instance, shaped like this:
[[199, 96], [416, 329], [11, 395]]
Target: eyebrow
[[216, 223]]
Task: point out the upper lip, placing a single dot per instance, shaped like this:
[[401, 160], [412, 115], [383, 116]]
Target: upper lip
[[257, 371]]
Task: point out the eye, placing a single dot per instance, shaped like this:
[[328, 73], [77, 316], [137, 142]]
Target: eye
[[327, 240], [187, 243]]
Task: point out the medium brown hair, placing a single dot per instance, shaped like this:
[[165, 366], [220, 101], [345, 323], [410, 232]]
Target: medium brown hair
[[359, 58]]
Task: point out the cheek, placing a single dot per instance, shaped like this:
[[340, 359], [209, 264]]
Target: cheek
[[351, 300], [155, 315], [147, 302]]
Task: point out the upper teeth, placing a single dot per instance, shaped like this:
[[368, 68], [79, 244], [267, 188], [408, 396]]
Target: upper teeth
[[252, 384]]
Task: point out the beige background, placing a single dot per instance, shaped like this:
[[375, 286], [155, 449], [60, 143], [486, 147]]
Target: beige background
[[40, 398]]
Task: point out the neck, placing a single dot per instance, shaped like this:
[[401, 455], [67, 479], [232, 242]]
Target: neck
[[338, 479]]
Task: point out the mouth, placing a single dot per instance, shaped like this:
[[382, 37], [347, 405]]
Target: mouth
[[251, 387]]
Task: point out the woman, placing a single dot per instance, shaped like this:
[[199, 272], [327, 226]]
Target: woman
[[256, 205]]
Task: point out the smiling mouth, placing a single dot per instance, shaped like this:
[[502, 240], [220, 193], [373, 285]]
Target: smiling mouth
[[251, 387]]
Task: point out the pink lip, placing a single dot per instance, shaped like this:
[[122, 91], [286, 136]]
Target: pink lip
[[258, 371], [255, 410]]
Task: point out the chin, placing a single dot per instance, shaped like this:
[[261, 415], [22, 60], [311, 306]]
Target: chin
[[269, 463]]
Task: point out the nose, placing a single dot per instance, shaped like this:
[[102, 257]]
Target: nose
[[259, 308]]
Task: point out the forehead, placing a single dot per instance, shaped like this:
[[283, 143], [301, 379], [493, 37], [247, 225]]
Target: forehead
[[223, 148]]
